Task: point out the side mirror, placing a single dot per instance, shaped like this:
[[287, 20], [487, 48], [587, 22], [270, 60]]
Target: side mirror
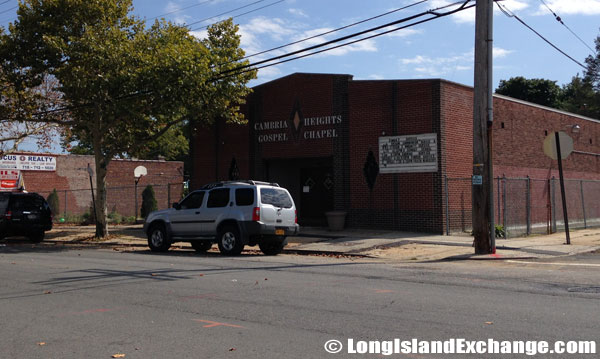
[[176, 205]]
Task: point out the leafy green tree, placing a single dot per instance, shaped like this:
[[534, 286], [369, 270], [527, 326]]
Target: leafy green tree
[[540, 91], [149, 203], [582, 94], [126, 84]]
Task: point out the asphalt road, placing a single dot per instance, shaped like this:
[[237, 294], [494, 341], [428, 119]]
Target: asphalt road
[[95, 303]]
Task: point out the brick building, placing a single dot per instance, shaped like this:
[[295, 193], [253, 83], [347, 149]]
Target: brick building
[[313, 133], [68, 174]]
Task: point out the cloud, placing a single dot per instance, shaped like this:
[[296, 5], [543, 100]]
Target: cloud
[[297, 12], [570, 7], [439, 66]]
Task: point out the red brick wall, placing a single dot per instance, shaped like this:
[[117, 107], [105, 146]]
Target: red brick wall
[[72, 183], [406, 200]]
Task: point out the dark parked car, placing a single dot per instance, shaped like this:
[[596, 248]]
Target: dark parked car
[[24, 214]]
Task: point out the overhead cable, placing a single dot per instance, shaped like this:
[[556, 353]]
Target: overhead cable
[[509, 13], [558, 18]]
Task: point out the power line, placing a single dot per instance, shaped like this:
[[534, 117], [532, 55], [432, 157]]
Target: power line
[[558, 18], [343, 38], [224, 13], [242, 14], [509, 13], [181, 9], [244, 69], [4, 2], [335, 30]]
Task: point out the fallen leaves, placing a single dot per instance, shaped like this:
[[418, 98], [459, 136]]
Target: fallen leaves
[[41, 343], [118, 356], [489, 323]]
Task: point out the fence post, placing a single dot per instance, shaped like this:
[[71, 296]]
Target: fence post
[[498, 200], [168, 195], [528, 205], [447, 206], [65, 207], [504, 206], [583, 204], [553, 205]]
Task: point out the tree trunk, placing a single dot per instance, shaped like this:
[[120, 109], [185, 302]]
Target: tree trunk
[[101, 161], [101, 212]]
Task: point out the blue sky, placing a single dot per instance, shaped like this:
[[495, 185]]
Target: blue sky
[[442, 48]]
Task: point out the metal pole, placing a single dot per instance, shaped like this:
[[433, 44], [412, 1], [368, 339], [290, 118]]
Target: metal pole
[[553, 205], [447, 207], [136, 203], [528, 205], [583, 204], [498, 190], [65, 209], [504, 207], [168, 195], [562, 187]]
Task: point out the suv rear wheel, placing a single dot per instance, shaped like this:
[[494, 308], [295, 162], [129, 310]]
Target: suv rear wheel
[[157, 239], [229, 240], [201, 246], [36, 237], [271, 248]]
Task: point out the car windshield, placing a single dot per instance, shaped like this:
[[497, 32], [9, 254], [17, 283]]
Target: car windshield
[[276, 197]]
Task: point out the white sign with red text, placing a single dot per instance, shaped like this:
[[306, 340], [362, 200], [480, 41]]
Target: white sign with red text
[[28, 162]]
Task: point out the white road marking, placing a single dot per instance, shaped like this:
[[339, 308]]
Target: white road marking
[[557, 264]]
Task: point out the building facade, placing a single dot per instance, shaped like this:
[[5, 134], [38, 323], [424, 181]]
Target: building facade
[[382, 150]]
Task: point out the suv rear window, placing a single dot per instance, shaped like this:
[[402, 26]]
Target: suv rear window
[[244, 196], [276, 197]]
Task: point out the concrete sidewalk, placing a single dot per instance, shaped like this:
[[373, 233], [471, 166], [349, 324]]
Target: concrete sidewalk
[[389, 245]]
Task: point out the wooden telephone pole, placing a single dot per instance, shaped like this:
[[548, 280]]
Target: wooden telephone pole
[[482, 185]]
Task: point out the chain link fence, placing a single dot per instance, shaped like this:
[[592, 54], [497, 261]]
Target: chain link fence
[[121, 202], [524, 206]]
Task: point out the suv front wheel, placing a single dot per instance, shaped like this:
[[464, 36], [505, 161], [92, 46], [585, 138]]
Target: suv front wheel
[[157, 239], [230, 241]]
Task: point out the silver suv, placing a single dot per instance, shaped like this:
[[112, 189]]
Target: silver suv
[[232, 214]]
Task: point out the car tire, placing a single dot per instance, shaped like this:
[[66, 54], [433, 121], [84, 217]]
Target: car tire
[[36, 237], [229, 241], [271, 248], [201, 246], [158, 241]]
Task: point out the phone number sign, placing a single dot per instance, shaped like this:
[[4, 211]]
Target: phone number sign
[[28, 163]]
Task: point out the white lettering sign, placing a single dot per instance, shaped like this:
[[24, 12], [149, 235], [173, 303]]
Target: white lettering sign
[[28, 163], [411, 153]]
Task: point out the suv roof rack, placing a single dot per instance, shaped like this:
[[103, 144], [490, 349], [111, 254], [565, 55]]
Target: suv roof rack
[[248, 182]]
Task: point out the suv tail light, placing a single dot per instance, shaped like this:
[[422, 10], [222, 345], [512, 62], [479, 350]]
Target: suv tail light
[[256, 214], [296, 215], [8, 215]]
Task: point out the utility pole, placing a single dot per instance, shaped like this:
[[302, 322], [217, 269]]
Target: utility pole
[[483, 177]]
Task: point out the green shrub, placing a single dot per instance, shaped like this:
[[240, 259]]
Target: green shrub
[[149, 203], [53, 203], [500, 232]]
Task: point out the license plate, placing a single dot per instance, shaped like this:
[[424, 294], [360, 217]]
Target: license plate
[[279, 232], [32, 216]]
